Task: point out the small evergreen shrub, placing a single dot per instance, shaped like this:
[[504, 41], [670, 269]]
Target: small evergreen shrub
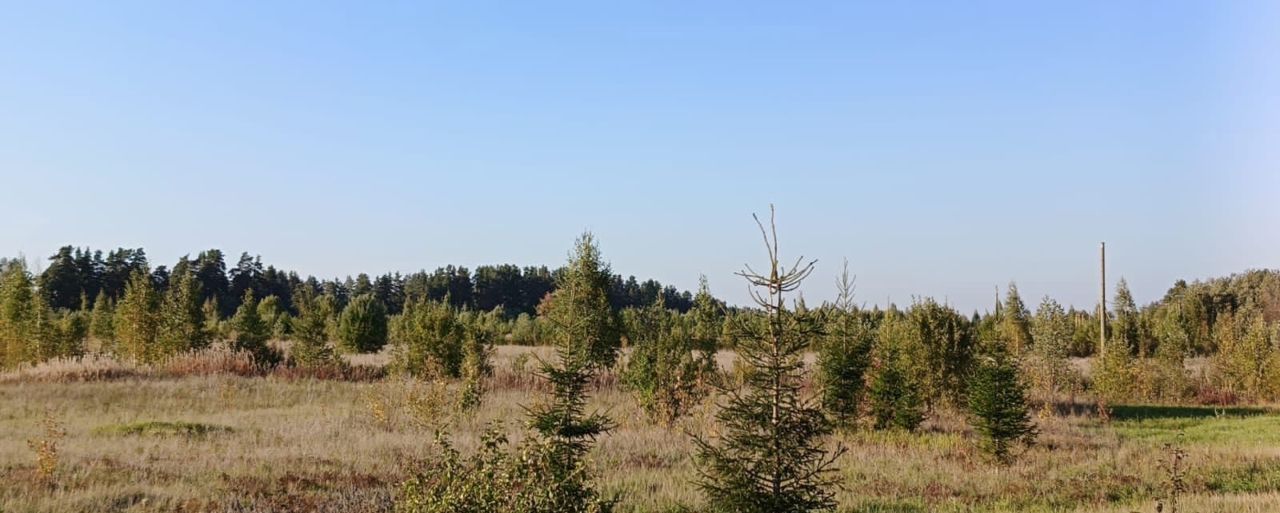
[[895, 403], [998, 407], [250, 333]]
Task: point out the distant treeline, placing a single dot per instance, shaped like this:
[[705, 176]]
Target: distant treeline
[[74, 277]]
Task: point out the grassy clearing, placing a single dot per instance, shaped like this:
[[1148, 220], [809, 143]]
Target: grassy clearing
[[221, 443]]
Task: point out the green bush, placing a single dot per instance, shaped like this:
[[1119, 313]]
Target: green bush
[[428, 338], [662, 370], [362, 327], [529, 478]]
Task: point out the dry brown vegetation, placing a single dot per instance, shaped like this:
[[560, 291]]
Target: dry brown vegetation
[[204, 433]]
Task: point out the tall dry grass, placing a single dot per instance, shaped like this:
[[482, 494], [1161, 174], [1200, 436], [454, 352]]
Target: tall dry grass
[[279, 442]]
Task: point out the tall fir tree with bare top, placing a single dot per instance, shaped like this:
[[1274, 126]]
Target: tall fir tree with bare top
[[770, 457]]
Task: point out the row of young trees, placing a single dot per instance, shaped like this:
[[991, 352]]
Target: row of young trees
[[769, 457], [771, 452]]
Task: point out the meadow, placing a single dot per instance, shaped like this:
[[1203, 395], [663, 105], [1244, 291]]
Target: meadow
[[204, 433]]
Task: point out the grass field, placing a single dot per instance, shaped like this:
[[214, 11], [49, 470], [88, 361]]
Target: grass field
[[140, 441]]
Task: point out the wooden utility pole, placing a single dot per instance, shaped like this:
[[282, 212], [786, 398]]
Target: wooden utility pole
[[1102, 304]]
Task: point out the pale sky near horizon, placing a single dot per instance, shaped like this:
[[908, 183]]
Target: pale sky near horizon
[[944, 148]]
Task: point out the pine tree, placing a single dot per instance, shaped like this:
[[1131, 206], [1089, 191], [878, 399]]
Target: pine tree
[[770, 457], [102, 321], [137, 321], [998, 407], [17, 324], [310, 336], [362, 327], [585, 332], [60, 283], [1015, 321], [844, 356], [250, 334], [428, 339], [274, 316], [181, 314]]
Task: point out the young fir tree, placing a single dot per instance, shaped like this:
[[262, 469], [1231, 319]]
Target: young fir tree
[[895, 402], [310, 337], [707, 316], [547, 472], [769, 457], [844, 356], [250, 334], [585, 331], [1174, 344], [998, 406], [1126, 324], [274, 316], [1015, 321], [362, 327], [137, 320], [17, 322], [181, 314], [213, 327], [72, 329], [102, 321], [477, 353], [579, 309]]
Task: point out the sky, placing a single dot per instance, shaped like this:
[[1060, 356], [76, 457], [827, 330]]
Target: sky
[[943, 148]]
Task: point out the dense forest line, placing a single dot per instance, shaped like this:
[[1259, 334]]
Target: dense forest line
[[76, 276], [1198, 317]]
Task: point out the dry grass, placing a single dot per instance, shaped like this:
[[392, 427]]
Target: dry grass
[[149, 439]]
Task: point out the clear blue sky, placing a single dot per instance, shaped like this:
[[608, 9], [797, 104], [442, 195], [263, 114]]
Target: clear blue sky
[[943, 147]]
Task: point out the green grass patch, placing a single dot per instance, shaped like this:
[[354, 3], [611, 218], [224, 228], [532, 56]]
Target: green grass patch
[[1129, 412], [1232, 426], [161, 428], [1259, 476]]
